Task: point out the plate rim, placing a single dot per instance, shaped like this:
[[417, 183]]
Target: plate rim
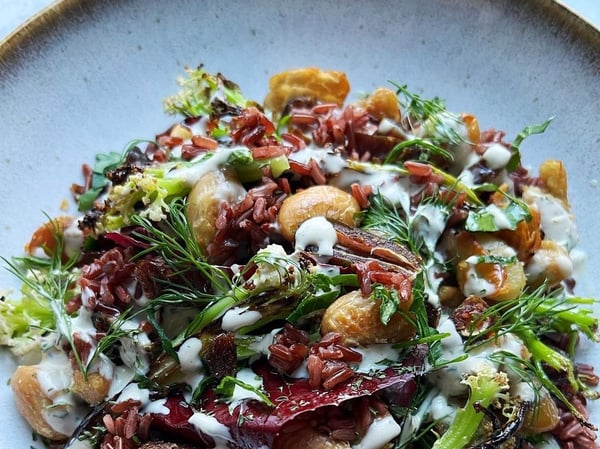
[[565, 18]]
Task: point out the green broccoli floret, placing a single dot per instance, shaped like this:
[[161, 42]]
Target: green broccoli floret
[[149, 189], [486, 386]]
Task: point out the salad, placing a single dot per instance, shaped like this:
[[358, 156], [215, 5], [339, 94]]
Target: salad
[[306, 272]]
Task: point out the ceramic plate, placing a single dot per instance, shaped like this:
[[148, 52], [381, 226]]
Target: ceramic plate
[[89, 76]]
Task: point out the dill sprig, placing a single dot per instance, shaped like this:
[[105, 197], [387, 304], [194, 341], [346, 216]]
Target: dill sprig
[[532, 372], [174, 241], [118, 329], [524, 369], [544, 312], [416, 107], [386, 218], [52, 280], [533, 315], [431, 114], [269, 274], [274, 276]]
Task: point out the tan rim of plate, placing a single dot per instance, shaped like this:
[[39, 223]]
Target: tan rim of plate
[[569, 20], [35, 24]]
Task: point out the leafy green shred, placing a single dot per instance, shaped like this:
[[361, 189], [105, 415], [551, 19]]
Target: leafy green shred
[[416, 316], [493, 218], [515, 160], [151, 189], [323, 290], [227, 387], [48, 284], [205, 94], [22, 321], [249, 169], [389, 302], [485, 387], [99, 182]]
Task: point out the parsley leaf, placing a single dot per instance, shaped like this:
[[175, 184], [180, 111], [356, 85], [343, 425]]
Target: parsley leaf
[[104, 163], [515, 160]]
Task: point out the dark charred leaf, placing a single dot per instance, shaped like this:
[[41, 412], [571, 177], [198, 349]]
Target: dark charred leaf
[[370, 244], [220, 355], [120, 174], [470, 319], [152, 275]]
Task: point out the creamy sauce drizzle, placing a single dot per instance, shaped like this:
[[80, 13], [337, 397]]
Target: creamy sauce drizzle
[[319, 232]]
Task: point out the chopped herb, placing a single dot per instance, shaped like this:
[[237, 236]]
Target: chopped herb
[[515, 160]]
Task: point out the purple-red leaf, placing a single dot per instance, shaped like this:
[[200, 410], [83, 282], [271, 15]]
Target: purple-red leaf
[[253, 424]]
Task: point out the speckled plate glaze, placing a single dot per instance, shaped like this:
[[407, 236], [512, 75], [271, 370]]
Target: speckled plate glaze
[[89, 76]]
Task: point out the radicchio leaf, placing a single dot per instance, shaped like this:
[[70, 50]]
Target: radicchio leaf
[[254, 424]]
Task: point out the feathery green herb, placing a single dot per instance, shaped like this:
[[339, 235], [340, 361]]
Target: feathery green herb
[[538, 313], [384, 217], [438, 125], [48, 285]]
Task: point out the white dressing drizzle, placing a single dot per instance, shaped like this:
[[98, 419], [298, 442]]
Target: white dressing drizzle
[[541, 262], [429, 222], [497, 156], [262, 346], [55, 378], [65, 417], [441, 410], [476, 285], [239, 317], [448, 379], [209, 425], [374, 357], [122, 375], [54, 374], [381, 431], [317, 231], [158, 407], [396, 189], [433, 280], [189, 355], [330, 161], [72, 239], [135, 393], [190, 174], [556, 221], [249, 377]]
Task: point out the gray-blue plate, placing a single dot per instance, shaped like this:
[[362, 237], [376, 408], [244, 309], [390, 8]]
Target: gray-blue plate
[[89, 76]]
